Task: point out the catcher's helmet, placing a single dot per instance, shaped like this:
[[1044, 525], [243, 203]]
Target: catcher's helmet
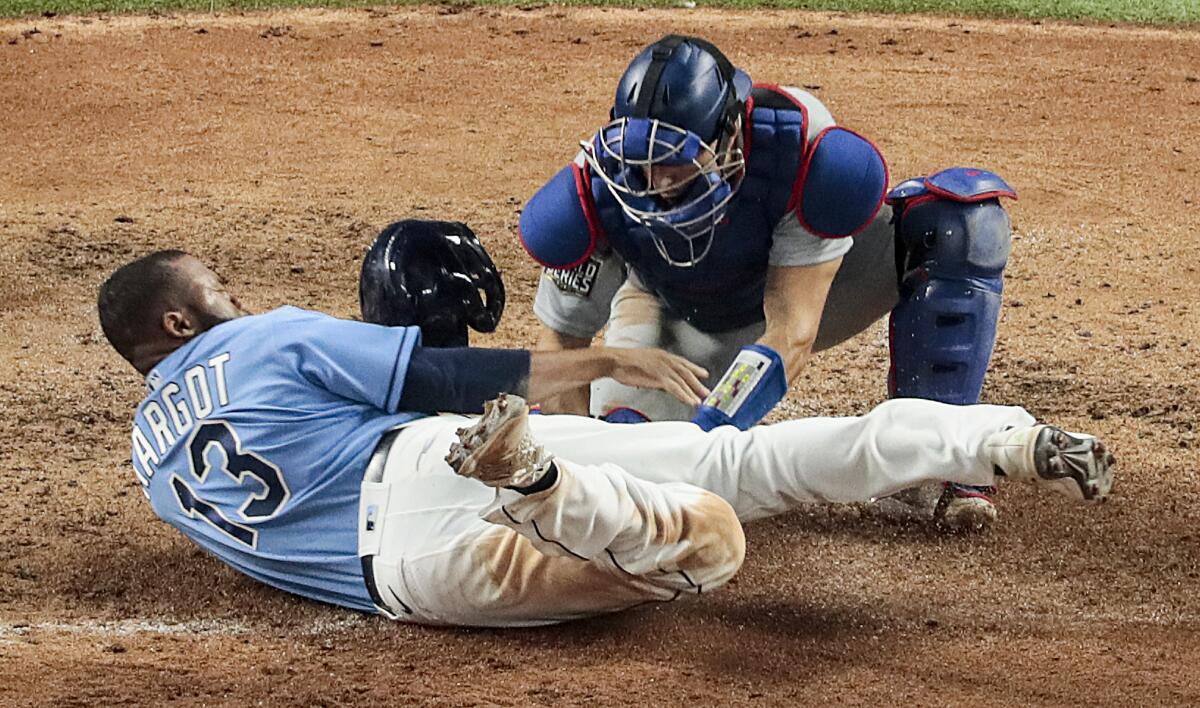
[[432, 274], [679, 105], [684, 81]]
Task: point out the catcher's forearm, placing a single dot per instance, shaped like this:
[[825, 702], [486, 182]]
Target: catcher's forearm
[[795, 350], [551, 340]]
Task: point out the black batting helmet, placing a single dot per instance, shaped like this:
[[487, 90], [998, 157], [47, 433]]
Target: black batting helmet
[[432, 274]]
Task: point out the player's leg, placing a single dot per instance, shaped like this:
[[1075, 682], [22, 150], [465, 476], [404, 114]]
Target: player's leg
[[770, 469], [938, 270], [865, 288], [864, 291], [635, 321], [595, 540], [953, 250], [638, 320]]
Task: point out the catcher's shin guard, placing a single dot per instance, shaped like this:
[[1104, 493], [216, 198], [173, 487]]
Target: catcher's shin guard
[[941, 339], [953, 241]]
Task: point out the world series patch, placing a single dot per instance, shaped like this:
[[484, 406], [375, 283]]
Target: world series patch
[[576, 281]]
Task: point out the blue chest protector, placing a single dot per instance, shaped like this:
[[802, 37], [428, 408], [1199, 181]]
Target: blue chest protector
[[833, 183]]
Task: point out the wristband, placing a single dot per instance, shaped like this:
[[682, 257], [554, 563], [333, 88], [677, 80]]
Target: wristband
[[748, 390]]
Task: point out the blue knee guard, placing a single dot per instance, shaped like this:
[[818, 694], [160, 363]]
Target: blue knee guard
[[954, 238], [625, 415]]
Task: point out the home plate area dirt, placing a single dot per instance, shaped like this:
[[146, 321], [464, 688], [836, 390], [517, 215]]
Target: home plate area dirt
[[274, 145]]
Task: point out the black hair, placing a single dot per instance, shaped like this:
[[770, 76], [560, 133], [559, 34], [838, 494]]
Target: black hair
[[131, 300]]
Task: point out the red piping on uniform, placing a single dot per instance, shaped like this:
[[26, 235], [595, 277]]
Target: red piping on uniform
[[796, 202]]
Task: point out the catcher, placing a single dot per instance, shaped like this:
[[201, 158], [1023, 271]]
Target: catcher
[[737, 225]]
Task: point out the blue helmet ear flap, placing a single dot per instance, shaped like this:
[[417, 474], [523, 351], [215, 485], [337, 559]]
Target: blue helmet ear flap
[[432, 274]]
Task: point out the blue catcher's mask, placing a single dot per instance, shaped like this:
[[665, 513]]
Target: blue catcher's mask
[[432, 274], [672, 154]]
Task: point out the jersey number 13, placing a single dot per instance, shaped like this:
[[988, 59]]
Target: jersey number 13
[[238, 464]]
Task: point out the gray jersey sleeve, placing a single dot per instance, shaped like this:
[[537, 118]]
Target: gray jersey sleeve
[[577, 301], [793, 244]]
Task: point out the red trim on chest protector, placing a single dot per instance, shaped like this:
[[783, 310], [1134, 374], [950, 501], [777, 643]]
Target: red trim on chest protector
[[797, 183], [583, 188]]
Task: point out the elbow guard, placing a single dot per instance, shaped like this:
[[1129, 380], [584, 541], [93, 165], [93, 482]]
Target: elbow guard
[[750, 388]]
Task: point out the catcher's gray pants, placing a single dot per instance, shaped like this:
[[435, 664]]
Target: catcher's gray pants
[[864, 290], [640, 512]]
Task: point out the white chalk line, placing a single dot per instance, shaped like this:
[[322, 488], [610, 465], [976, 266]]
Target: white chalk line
[[13, 632]]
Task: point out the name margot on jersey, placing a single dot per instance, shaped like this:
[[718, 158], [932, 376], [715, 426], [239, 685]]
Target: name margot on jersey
[[203, 389]]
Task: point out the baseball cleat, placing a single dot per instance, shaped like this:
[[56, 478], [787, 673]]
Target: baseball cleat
[[965, 508], [1074, 464], [951, 507], [498, 449]]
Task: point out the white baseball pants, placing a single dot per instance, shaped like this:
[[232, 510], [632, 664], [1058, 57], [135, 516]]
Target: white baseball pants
[[640, 513]]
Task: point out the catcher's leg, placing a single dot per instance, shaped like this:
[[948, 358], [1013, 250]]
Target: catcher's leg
[[576, 541], [865, 289], [953, 253], [638, 321]]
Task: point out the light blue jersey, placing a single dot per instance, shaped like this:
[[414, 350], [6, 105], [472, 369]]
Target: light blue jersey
[[254, 437]]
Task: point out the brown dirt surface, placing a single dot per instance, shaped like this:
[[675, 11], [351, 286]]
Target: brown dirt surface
[[274, 145]]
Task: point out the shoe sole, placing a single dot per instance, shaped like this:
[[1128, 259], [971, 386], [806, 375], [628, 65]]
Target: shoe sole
[[480, 452], [1077, 465]]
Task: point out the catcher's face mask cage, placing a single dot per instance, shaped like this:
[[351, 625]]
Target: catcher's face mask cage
[[669, 180]]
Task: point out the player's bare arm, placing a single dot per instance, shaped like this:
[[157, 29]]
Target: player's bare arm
[[551, 340], [577, 400], [555, 372], [793, 303]]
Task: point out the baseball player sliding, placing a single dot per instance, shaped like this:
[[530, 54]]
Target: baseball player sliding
[[306, 451], [738, 225]]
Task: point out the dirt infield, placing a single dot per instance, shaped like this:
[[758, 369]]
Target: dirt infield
[[274, 145]]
